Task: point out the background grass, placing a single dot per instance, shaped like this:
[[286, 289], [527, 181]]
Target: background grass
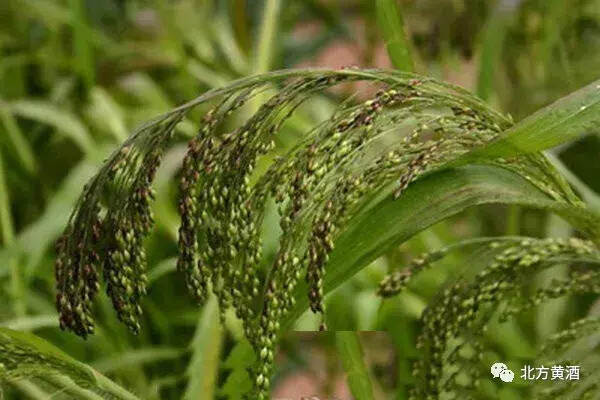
[[76, 76]]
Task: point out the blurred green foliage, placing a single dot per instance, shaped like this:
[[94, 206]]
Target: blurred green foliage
[[76, 76]]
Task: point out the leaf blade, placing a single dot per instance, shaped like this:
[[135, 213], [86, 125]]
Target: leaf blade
[[350, 352], [565, 120], [206, 346], [389, 18], [427, 201], [61, 120], [25, 355]]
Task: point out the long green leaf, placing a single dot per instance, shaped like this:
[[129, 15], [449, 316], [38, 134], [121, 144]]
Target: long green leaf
[[565, 120], [238, 362], [107, 114], [63, 121], [389, 18], [137, 357], [266, 43], [492, 42], [26, 356], [19, 143], [427, 201], [84, 61], [6, 224], [8, 238], [206, 347], [351, 354], [29, 323]]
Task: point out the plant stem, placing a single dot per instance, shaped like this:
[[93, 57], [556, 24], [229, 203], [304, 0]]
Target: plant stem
[[357, 375], [19, 143], [240, 26], [84, 61], [512, 220], [266, 40], [206, 346], [389, 18], [6, 224], [8, 237]]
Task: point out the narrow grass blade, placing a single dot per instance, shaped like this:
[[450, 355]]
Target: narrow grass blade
[[565, 120], [557, 17], [17, 138], [239, 18], [350, 352], [26, 356], [6, 223], [223, 34], [266, 41], [494, 33], [238, 362], [30, 323], [549, 315], [389, 18], [163, 268], [107, 113], [63, 121], [203, 369], [137, 357], [8, 239], [84, 61]]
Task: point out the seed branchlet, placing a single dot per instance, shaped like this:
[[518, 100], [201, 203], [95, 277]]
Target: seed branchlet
[[467, 304], [105, 234]]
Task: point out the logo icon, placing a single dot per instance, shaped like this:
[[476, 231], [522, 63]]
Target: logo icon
[[507, 376], [500, 370]]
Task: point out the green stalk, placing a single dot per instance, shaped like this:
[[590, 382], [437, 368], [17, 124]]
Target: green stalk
[[8, 237], [514, 216], [389, 18], [265, 46], [206, 346], [493, 37], [550, 315], [240, 26], [266, 41], [84, 61], [19, 143], [556, 17], [351, 354], [6, 224]]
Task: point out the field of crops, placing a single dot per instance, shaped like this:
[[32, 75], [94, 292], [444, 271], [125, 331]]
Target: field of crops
[[317, 199]]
